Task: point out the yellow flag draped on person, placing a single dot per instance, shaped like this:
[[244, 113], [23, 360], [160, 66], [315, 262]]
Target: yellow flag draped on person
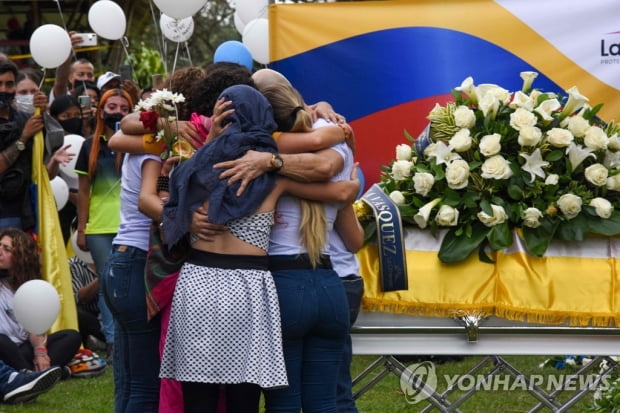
[[54, 262]]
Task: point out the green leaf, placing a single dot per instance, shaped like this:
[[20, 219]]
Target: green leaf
[[537, 239], [608, 227], [500, 237], [457, 248], [515, 192], [574, 229], [554, 156], [485, 206]]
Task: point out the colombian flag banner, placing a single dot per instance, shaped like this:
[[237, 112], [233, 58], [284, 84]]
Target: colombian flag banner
[[385, 64], [54, 265]]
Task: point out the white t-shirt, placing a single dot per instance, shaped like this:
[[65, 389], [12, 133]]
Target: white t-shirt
[[285, 236], [134, 227]]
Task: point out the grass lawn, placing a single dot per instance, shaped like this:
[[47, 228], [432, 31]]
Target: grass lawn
[[94, 395]]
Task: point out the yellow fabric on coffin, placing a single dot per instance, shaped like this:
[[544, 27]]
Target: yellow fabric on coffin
[[574, 283]]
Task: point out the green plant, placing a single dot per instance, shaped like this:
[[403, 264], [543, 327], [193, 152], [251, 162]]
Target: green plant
[[145, 62], [497, 161]]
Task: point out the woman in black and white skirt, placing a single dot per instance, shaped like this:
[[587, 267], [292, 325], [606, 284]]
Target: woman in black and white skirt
[[225, 319]]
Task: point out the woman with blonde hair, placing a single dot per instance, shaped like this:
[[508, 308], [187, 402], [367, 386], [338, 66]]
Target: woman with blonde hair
[[98, 206], [313, 303]]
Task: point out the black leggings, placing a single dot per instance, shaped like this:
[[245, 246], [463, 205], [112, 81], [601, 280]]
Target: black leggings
[[203, 397], [61, 347]]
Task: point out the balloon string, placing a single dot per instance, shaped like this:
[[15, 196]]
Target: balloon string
[[125, 43], [161, 36], [42, 79], [189, 56], [176, 55], [62, 18]]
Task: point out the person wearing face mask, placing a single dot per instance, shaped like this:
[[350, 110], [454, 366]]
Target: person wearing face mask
[[26, 87], [17, 128], [98, 206], [66, 112]]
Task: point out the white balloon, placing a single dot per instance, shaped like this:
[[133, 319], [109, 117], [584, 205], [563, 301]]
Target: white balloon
[[50, 45], [107, 19], [179, 9], [67, 171], [83, 255], [175, 29], [60, 189], [249, 10], [36, 305], [256, 39], [239, 24]]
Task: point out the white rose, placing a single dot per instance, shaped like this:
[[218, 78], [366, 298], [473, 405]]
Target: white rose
[[529, 136], [496, 167], [613, 183], [521, 118], [596, 174], [447, 216], [614, 142], [401, 169], [397, 197], [570, 205], [602, 206], [490, 144], [547, 107], [552, 179], [461, 141], [430, 150], [423, 183], [403, 152], [457, 174], [464, 117], [559, 137], [531, 217], [577, 125], [596, 138], [499, 216]]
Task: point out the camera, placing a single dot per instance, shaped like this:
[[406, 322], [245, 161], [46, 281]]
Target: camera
[[88, 39], [84, 100]]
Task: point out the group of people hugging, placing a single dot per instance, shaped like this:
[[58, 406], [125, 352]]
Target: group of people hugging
[[229, 274], [248, 246]]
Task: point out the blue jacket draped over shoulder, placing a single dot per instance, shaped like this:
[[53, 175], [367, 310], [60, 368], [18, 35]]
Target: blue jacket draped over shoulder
[[194, 181]]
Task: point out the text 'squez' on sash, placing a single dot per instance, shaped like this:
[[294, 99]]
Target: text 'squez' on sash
[[392, 258]]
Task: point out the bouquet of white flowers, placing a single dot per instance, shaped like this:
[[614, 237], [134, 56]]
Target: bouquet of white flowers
[[159, 114], [493, 161]]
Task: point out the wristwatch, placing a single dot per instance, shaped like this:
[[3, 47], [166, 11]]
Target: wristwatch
[[20, 145], [276, 162]]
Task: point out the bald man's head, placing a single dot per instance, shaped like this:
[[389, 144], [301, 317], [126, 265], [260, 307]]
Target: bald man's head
[[268, 77]]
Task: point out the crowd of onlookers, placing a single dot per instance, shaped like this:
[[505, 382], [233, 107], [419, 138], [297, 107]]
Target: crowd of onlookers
[[209, 273]]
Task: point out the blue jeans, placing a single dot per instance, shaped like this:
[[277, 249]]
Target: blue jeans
[[354, 288], [136, 355], [100, 246], [315, 324]]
